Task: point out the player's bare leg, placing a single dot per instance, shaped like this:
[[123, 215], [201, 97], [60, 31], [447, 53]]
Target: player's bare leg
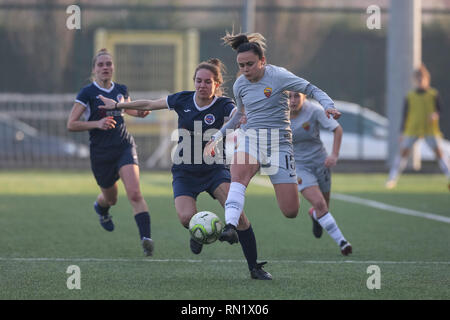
[[443, 163], [246, 237], [243, 168], [319, 207], [326, 220], [106, 199], [186, 207], [397, 168], [287, 198], [130, 177]]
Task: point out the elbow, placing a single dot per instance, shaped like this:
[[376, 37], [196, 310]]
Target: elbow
[[70, 126]]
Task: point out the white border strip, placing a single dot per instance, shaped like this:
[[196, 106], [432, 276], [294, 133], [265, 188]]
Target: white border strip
[[388, 207]]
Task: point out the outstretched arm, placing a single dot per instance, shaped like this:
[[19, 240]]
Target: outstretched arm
[[231, 124], [110, 104], [136, 113], [332, 159], [295, 83]]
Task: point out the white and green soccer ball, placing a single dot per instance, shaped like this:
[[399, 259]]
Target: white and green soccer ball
[[205, 227]]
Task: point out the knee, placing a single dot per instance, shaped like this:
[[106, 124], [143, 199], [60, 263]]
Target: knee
[[290, 208], [135, 196], [185, 222], [111, 201], [404, 153], [290, 213], [320, 207], [184, 219]]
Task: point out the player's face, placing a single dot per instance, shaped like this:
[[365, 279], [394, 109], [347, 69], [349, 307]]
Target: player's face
[[205, 86], [423, 82], [250, 65], [104, 68], [296, 100]]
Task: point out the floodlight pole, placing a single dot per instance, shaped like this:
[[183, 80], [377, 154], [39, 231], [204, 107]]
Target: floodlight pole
[[248, 16], [404, 54]]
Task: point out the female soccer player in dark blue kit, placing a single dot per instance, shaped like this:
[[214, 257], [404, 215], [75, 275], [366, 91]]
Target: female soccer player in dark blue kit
[[199, 111], [112, 148]]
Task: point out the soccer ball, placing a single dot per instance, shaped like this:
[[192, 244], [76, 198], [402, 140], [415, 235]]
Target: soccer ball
[[205, 227]]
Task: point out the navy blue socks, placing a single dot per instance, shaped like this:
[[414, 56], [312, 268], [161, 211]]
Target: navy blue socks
[[143, 223], [248, 244], [101, 210]]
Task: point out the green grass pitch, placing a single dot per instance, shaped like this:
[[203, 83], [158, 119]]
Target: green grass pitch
[[47, 224]]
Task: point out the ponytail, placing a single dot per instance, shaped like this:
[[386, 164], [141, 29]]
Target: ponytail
[[246, 42]]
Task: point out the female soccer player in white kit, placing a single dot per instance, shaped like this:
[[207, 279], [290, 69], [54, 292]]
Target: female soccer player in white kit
[[312, 163], [261, 91]]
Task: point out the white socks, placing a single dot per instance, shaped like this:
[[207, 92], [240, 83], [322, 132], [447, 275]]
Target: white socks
[[443, 164], [329, 224], [397, 167], [235, 203]]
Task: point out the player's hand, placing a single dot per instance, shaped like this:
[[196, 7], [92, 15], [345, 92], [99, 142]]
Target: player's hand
[[209, 149], [242, 120], [142, 113], [109, 104], [333, 112], [107, 123], [331, 161], [434, 117]]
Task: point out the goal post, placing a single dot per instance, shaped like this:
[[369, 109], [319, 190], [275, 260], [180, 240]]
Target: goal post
[[161, 60], [147, 62]]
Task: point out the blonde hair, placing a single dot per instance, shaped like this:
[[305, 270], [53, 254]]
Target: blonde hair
[[243, 42]]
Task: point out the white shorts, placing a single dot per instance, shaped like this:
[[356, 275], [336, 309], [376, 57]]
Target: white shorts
[[275, 159], [314, 176]]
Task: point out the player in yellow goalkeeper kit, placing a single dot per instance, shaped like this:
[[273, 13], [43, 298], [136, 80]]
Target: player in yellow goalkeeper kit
[[420, 120]]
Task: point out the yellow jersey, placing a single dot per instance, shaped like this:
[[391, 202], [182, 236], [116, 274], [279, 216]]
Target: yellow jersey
[[420, 105]]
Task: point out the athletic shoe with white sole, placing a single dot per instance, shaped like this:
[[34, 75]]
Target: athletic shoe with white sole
[[196, 247], [346, 247], [148, 246], [317, 228], [391, 184], [259, 274], [229, 234], [105, 219]]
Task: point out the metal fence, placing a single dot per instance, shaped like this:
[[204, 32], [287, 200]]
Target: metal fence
[[33, 133]]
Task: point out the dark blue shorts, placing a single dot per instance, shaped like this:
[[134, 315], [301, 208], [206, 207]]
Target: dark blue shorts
[[106, 164], [192, 183]]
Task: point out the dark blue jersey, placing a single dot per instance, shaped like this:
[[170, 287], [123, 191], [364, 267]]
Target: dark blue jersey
[[193, 118], [117, 137]]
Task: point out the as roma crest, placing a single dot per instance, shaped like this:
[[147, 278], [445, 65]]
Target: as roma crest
[[267, 92], [306, 126]]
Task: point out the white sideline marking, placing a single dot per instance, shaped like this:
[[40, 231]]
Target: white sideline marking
[[388, 207], [374, 204], [216, 261]]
